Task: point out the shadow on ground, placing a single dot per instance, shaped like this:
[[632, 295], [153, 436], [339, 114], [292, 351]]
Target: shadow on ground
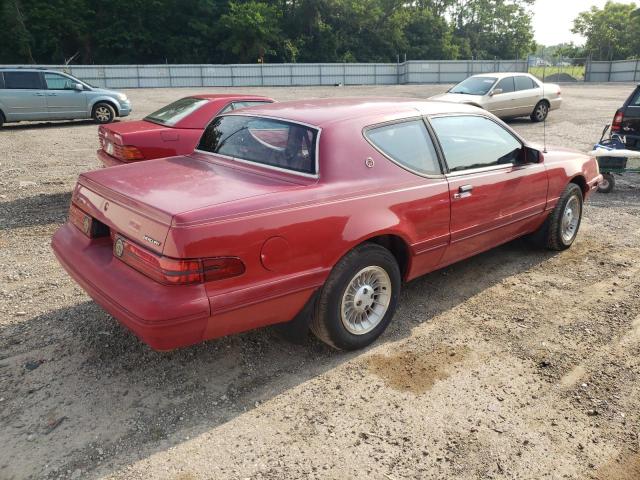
[[36, 210], [75, 381]]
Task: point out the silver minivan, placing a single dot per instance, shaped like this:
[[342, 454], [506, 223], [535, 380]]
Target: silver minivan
[[28, 94]]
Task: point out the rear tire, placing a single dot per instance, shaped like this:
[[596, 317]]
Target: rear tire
[[559, 230], [540, 111], [359, 299], [103, 113], [608, 183]]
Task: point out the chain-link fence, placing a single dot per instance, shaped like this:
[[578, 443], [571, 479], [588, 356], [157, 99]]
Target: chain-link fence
[[558, 68]]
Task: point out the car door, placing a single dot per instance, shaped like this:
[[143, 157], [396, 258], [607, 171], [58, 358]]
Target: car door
[[494, 195], [23, 96], [500, 101], [630, 127], [63, 101], [527, 93]]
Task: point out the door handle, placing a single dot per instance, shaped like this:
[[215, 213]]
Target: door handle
[[39, 94], [52, 94], [463, 191]]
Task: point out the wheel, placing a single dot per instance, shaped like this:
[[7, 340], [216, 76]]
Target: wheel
[[359, 298], [540, 111], [607, 184], [561, 227], [1, 119], [103, 113]]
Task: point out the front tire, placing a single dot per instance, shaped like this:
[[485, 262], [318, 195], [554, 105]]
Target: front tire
[[359, 299], [103, 113], [560, 229], [540, 111], [2, 120], [607, 184]]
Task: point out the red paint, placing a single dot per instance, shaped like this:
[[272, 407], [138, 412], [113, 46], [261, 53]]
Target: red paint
[[158, 141], [203, 206]]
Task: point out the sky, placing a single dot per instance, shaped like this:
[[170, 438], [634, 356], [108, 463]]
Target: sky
[[553, 19]]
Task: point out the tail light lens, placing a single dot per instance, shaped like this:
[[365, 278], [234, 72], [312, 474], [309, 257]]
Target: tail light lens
[[88, 225], [129, 153], [616, 126], [172, 271]]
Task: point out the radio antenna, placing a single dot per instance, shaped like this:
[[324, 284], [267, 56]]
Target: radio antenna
[[544, 122]]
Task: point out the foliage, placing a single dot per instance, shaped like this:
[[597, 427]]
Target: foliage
[[612, 33], [221, 31]]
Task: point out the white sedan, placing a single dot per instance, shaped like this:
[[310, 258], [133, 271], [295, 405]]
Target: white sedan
[[507, 95]]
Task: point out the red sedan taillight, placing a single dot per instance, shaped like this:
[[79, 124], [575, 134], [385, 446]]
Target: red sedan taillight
[[172, 271], [616, 126], [88, 225]]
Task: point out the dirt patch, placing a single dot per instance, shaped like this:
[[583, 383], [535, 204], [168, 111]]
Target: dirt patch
[[627, 468], [416, 371]]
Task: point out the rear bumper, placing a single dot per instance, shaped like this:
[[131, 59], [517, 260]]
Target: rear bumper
[[125, 109], [554, 103], [164, 317], [107, 160]]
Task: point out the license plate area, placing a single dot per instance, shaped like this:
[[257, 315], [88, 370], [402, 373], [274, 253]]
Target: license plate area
[[88, 225]]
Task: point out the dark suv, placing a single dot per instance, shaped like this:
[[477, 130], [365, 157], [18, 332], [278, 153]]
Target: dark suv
[[626, 122]]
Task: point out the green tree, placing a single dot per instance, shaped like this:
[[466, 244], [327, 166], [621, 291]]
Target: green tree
[[612, 32]]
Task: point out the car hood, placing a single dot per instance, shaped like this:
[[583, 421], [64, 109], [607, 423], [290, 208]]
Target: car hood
[[457, 98]]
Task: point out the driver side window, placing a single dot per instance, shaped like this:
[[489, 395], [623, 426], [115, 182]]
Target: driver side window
[[506, 84], [57, 82], [470, 142]]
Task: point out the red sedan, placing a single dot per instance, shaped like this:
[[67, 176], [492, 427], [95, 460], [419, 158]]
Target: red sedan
[[173, 130], [315, 211]]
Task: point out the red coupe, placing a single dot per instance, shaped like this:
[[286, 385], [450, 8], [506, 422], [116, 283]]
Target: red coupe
[[173, 130], [315, 209]]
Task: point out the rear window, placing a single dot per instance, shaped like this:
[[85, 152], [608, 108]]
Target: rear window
[[275, 143], [408, 144], [176, 111], [635, 101], [242, 104], [22, 80]]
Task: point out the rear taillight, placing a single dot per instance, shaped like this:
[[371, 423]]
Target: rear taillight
[[129, 153], [172, 271], [616, 126], [88, 225]]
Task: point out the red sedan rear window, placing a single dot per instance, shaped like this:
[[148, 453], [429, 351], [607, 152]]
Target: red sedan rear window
[[171, 114], [275, 143]]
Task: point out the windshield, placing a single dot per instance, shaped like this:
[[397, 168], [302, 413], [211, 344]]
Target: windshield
[[262, 140], [176, 111], [474, 86]]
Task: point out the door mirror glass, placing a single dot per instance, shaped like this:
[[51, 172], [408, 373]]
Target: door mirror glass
[[497, 91], [78, 86]]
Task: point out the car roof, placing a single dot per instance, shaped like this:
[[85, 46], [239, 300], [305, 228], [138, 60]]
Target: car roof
[[365, 110], [500, 74]]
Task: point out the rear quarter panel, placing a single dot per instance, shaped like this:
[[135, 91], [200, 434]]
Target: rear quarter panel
[[564, 166]]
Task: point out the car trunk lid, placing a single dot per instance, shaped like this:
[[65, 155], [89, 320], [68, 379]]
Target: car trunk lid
[[140, 200], [119, 139]]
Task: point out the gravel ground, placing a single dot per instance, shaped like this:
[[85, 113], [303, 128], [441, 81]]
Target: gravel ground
[[516, 364]]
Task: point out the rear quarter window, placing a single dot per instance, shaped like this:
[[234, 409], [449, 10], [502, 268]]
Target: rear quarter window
[[408, 144], [22, 81], [524, 83]]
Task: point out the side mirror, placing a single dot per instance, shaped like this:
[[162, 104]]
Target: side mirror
[[78, 86], [532, 155], [496, 91]]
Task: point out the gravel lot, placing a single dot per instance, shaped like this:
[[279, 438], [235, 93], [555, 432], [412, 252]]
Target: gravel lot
[[516, 364]]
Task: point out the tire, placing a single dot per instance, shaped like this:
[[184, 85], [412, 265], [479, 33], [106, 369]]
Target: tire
[[608, 183], [554, 233], [540, 111], [2, 120], [103, 113], [337, 321]]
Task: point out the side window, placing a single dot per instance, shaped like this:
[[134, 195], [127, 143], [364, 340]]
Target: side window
[[22, 80], [475, 142], [57, 82], [1, 80], [506, 84], [524, 83], [408, 144]]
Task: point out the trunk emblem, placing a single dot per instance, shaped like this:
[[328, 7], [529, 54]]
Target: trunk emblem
[[152, 240], [118, 248], [86, 225], [106, 206]]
